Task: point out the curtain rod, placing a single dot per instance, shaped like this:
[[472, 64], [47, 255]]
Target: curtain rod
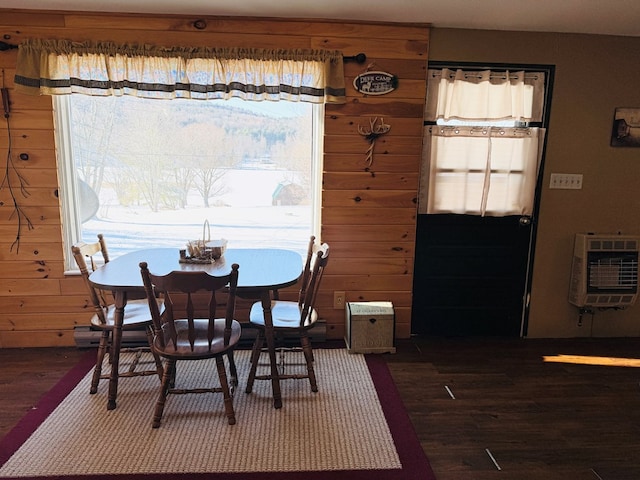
[[6, 46], [437, 73], [360, 58]]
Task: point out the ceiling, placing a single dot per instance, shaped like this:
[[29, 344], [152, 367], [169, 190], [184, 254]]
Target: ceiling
[[606, 17]]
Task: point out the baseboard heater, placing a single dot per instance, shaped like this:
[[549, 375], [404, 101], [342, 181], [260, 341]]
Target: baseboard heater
[[86, 337]]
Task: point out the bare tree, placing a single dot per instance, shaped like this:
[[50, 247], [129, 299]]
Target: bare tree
[[145, 155], [183, 177], [211, 156], [91, 145]]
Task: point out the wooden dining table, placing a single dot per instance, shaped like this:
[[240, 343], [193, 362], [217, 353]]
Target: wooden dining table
[[262, 271]]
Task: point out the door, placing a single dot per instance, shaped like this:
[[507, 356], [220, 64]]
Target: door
[[472, 267], [470, 275]]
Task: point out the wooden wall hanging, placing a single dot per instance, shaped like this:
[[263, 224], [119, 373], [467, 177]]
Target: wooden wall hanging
[[11, 174], [375, 130]]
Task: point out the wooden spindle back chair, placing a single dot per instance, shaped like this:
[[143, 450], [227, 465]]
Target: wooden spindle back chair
[[183, 333], [136, 316], [291, 318]]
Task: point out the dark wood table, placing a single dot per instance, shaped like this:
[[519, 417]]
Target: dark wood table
[[261, 271]]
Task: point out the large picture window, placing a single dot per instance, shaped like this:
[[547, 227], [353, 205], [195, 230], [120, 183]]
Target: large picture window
[[147, 172], [154, 141]]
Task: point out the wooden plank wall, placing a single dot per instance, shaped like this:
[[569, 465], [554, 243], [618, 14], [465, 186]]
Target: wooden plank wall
[[369, 213]]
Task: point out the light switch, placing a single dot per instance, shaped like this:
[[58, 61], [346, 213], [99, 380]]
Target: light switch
[[569, 181]]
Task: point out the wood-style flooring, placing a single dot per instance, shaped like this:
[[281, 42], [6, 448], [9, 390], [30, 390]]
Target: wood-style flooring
[[516, 409]]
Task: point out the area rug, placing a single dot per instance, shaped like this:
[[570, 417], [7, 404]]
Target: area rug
[[355, 427]]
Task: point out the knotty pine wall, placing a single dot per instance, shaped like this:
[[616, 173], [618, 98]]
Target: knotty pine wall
[[368, 215]]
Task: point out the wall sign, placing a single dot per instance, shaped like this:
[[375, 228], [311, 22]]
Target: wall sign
[[375, 83]]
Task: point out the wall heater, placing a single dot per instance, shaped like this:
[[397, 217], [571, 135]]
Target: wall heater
[[604, 271]]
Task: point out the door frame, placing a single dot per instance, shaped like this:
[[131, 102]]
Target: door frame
[[549, 70]]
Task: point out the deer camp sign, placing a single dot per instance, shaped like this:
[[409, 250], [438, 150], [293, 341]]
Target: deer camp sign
[[375, 83]]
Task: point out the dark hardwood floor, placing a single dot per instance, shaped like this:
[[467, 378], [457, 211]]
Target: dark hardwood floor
[[527, 404], [483, 408]]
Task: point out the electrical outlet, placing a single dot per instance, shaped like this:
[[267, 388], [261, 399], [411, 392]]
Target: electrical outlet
[[338, 300]]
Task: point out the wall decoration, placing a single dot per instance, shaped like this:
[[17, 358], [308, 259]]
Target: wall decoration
[[375, 130], [13, 175], [375, 83], [626, 128]]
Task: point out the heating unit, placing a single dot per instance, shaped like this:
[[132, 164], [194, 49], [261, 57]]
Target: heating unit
[[604, 271]]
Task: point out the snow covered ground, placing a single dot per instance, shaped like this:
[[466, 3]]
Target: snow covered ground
[[247, 220]]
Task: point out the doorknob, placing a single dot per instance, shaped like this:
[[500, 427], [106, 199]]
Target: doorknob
[[525, 221]]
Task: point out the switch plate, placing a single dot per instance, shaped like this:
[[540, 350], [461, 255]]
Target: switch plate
[[567, 181], [338, 300]]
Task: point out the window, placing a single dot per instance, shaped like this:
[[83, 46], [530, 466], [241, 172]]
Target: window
[[148, 172], [484, 142]]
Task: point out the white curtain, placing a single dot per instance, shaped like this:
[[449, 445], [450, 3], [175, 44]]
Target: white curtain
[[484, 95], [480, 166], [60, 67], [481, 170]]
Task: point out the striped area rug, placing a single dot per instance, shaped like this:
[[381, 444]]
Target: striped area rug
[[354, 426]]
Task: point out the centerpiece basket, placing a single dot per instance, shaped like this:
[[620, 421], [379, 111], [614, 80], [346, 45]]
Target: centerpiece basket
[[203, 250]]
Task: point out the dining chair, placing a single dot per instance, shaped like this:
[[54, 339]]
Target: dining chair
[[136, 317], [311, 246], [191, 329], [291, 318]]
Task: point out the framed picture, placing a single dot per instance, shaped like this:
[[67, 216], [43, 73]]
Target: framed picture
[[626, 128]]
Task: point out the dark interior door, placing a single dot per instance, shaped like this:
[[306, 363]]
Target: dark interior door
[[470, 275]]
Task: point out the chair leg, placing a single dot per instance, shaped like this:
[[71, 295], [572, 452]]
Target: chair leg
[[308, 356], [255, 357], [97, 371], [156, 357], [233, 371], [167, 379], [224, 384]]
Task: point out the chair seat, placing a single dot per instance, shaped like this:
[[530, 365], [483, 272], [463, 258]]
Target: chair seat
[[201, 345], [136, 316], [285, 314]]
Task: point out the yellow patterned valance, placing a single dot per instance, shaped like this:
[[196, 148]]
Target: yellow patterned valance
[[58, 67]]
